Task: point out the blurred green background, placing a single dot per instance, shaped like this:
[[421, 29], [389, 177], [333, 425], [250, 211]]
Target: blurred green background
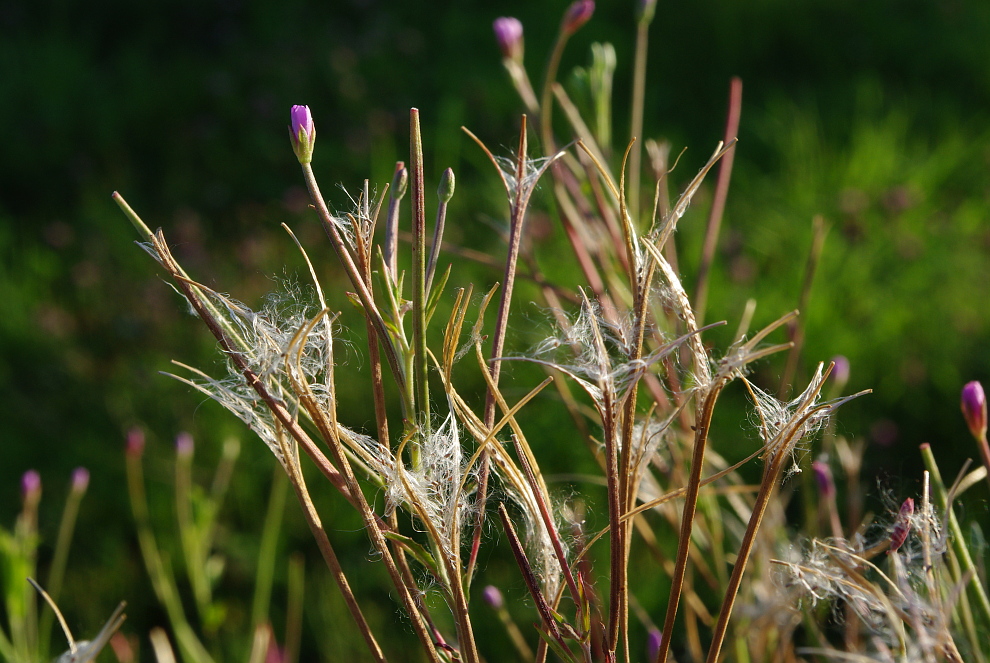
[[874, 115]]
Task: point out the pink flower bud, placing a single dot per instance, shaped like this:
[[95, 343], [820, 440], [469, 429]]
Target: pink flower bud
[[184, 445], [823, 477], [492, 596], [974, 409], [577, 15], [31, 486], [135, 442], [302, 133], [509, 35], [80, 480], [653, 641], [902, 527], [840, 372]]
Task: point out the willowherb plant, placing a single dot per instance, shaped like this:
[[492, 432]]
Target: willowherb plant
[[631, 339]]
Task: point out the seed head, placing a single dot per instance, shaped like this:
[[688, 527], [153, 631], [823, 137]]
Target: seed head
[[974, 409], [302, 133]]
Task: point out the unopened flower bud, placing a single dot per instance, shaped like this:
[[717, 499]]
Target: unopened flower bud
[[493, 597], [80, 480], [446, 189], [31, 486], [840, 372], [653, 641], [509, 35], [823, 477], [400, 180], [302, 133], [645, 9], [184, 445], [577, 15], [974, 409], [902, 527], [135, 442]]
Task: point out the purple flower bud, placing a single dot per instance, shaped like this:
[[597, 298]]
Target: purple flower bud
[[840, 372], [509, 35], [899, 533], [653, 640], [493, 597], [302, 133], [823, 477], [31, 486], [184, 445], [577, 15], [135, 442], [80, 480], [974, 409]]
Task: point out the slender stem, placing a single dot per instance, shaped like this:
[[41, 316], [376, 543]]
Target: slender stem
[[360, 287], [517, 218], [326, 423], [61, 557], [687, 516], [161, 579], [188, 535], [552, 532], [532, 583], [636, 122], [984, 448], [331, 560], [770, 477], [420, 374], [718, 203], [819, 230], [294, 607], [958, 542], [546, 97], [268, 548]]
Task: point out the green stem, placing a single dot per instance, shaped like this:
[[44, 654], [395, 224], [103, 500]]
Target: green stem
[[59, 561], [162, 580], [687, 516], [268, 548], [958, 542], [546, 98], [636, 122]]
